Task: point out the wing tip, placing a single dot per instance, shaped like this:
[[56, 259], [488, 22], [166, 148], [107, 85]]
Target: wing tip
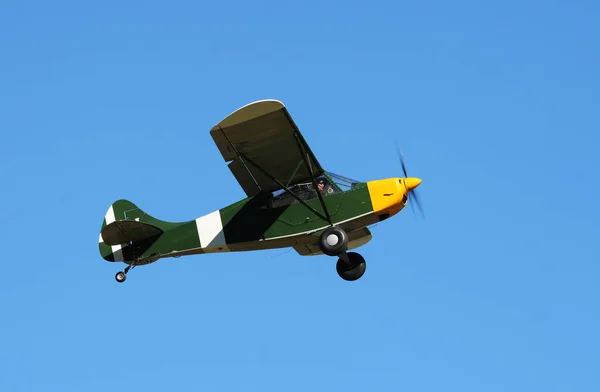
[[248, 112]]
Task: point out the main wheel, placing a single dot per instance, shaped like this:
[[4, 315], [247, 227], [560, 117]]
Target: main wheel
[[120, 276], [333, 241], [353, 271]]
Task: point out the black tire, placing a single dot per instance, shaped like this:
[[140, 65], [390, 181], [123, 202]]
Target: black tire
[[333, 241], [120, 277], [353, 271]]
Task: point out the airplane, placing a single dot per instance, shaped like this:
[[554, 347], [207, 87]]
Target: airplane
[[291, 201]]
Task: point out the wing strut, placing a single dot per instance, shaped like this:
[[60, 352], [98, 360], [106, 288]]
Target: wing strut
[[245, 159], [312, 177], [288, 190]]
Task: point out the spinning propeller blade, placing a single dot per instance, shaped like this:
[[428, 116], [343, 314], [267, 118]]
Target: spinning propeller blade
[[401, 160], [412, 186]]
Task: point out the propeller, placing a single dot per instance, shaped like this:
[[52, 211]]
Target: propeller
[[413, 196]]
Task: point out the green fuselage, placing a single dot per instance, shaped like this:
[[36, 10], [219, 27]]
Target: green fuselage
[[255, 223]]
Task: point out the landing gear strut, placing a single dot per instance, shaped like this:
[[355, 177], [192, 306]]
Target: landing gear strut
[[122, 275], [350, 265]]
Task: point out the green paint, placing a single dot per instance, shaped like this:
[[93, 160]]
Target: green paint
[[246, 221], [181, 238], [125, 210], [252, 220]]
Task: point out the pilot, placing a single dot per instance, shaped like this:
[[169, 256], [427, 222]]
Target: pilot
[[321, 185], [324, 187]]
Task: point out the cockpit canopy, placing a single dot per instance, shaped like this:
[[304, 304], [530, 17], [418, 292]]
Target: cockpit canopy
[[328, 184]]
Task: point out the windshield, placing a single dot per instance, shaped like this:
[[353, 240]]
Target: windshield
[[343, 183]]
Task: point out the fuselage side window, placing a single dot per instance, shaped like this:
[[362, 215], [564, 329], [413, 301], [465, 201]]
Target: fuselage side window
[[326, 186]]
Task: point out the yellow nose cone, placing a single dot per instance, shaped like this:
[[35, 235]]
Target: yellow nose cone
[[412, 183], [385, 195]]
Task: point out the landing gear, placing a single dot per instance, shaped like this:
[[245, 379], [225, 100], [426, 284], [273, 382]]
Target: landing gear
[[333, 241], [350, 265], [122, 275]]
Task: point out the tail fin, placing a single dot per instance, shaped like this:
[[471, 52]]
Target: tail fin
[[127, 232]]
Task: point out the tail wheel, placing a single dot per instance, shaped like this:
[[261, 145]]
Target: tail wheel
[[120, 276], [333, 241], [352, 269]]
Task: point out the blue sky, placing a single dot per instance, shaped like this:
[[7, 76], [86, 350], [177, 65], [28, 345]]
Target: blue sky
[[494, 105]]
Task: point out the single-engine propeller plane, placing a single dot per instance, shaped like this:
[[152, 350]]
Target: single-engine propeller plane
[[291, 201]]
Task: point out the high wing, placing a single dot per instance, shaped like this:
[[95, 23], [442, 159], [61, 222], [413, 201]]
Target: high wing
[[262, 143]]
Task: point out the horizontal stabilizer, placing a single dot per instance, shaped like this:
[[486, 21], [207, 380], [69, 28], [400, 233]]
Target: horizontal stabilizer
[[125, 232]]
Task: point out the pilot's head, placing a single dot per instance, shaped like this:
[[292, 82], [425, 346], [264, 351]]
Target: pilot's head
[[321, 184]]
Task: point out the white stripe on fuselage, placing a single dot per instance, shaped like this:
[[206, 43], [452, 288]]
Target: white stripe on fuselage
[[290, 236], [210, 232]]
